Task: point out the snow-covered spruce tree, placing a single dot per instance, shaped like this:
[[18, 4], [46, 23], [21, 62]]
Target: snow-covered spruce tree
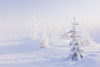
[[44, 41], [76, 52], [34, 30]]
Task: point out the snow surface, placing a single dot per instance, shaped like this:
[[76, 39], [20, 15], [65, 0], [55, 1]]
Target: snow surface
[[27, 53]]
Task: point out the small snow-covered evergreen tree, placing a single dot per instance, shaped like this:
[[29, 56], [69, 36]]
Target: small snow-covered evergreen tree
[[66, 36], [76, 52], [44, 41], [87, 40]]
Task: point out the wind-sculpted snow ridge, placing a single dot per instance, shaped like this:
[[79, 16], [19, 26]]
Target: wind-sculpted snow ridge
[[29, 54], [23, 46]]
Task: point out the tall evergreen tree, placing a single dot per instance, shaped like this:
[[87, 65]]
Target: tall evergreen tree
[[34, 30], [76, 52]]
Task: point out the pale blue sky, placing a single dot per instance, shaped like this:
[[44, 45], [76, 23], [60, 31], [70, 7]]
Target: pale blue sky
[[16, 15]]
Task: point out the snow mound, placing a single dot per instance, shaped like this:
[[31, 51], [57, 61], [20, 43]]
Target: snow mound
[[91, 60]]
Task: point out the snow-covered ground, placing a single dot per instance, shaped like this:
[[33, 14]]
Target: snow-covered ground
[[27, 53]]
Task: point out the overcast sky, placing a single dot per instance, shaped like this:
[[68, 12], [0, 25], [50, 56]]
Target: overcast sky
[[16, 15]]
